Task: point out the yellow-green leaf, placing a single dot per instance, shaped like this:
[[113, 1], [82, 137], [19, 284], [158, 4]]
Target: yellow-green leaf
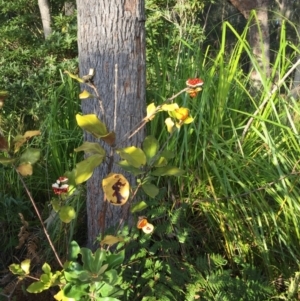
[[150, 147], [92, 124], [127, 167], [85, 168], [111, 240], [168, 171], [25, 266], [74, 77], [133, 155], [67, 214], [85, 94], [91, 148], [150, 189], [139, 207], [31, 155]]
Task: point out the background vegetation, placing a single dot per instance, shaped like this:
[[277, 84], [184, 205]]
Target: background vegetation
[[226, 230]]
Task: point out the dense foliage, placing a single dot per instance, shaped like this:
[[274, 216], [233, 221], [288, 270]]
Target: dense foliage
[[228, 229]]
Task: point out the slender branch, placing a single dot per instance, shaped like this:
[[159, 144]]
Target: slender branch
[[267, 98], [39, 216], [143, 122]]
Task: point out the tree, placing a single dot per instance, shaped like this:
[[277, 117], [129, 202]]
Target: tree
[[46, 18], [111, 39], [259, 39]]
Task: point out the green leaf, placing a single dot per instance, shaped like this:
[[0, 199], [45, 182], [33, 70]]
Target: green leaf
[[87, 259], [37, 287], [115, 259], [55, 204], [167, 154], [127, 167], [75, 291], [99, 257], [16, 269], [133, 155], [31, 155], [109, 290], [92, 124], [150, 189], [66, 214], [85, 168], [111, 277], [139, 207], [91, 148], [74, 250], [150, 147], [168, 171], [162, 161], [46, 268]]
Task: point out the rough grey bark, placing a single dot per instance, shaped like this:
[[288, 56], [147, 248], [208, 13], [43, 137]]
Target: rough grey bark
[[259, 39], [111, 37], [45, 16]]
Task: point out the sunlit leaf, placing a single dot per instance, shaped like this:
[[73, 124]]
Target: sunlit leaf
[[25, 266], [20, 140], [170, 107], [127, 167], [85, 168], [92, 124], [161, 161], [139, 206], [168, 171], [133, 155], [85, 94], [170, 125], [25, 169], [188, 120], [116, 189], [151, 109], [91, 148], [150, 147], [74, 77], [67, 214], [60, 296], [111, 240]]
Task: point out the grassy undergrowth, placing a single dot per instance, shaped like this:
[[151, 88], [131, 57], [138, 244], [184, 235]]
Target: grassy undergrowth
[[229, 227]]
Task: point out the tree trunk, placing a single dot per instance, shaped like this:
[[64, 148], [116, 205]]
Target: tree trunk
[[45, 16], [259, 39], [111, 39]]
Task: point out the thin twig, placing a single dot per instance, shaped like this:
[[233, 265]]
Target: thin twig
[[143, 122], [39, 217], [274, 90]]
